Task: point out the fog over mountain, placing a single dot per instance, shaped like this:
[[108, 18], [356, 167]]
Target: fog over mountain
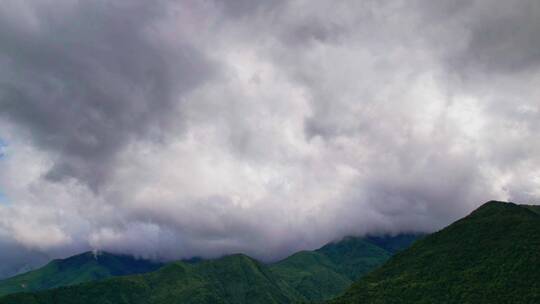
[[169, 129]]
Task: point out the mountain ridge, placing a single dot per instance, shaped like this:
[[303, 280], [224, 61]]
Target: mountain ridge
[[80, 268], [295, 278], [489, 256]]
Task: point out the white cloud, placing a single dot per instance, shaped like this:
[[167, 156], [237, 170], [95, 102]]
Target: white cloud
[[205, 128]]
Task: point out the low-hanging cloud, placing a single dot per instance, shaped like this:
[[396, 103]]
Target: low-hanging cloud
[[170, 129]]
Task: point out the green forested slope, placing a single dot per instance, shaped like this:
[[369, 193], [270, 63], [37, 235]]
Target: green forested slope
[[533, 208], [232, 279], [304, 276], [490, 256], [328, 271], [394, 243], [77, 269]]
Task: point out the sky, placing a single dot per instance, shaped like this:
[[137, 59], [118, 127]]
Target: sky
[[171, 129]]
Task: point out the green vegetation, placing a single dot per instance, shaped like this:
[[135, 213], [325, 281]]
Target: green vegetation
[[232, 279], [326, 272], [396, 243], [533, 208], [304, 276], [74, 270], [490, 256]]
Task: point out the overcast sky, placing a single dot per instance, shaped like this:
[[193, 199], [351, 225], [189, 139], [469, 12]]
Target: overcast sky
[[169, 129]]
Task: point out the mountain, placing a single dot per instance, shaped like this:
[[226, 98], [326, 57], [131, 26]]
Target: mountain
[[533, 208], [77, 269], [232, 279], [17, 259], [304, 276], [328, 271], [394, 244], [490, 256]]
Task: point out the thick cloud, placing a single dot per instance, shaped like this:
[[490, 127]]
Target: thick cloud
[[170, 129], [16, 259], [88, 78]]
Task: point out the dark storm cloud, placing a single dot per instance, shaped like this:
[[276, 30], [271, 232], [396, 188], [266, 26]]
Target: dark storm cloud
[[503, 38], [245, 8], [87, 80]]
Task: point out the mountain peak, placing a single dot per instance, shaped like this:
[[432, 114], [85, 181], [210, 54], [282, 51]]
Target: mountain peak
[[236, 278], [490, 256], [84, 267], [496, 204], [499, 208]]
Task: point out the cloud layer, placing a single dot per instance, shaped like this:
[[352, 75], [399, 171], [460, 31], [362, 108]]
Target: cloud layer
[[169, 129]]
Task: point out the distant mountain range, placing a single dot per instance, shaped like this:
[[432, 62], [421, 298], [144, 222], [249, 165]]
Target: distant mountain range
[[77, 269], [490, 256], [305, 276]]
